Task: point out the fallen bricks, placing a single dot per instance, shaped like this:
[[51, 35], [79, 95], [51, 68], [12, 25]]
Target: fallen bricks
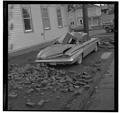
[[29, 103], [32, 76], [82, 96], [12, 94], [79, 102], [41, 102]]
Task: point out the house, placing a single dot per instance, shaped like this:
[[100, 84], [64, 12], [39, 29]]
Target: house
[[76, 16], [30, 25], [107, 11]]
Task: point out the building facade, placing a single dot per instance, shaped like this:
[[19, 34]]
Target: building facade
[[94, 16], [31, 25], [107, 13]]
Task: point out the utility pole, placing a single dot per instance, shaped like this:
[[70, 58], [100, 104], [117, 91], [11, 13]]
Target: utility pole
[[85, 20], [101, 23]]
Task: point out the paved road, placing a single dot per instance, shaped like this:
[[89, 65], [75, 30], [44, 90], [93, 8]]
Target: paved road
[[103, 99]]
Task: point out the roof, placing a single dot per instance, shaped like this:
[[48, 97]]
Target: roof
[[79, 6]]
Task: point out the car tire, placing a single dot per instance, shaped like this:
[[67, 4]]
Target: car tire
[[79, 61], [96, 48]]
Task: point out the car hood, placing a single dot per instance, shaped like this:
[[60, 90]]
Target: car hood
[[54, 51]]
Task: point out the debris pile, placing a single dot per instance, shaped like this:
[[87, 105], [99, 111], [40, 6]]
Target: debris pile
[[107, 43], [39, 77]]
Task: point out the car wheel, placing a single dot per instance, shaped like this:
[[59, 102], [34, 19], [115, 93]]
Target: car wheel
[[96, 48], [107, 30], [79, 61]]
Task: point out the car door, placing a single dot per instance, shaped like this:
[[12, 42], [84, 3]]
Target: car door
[[89, 47]]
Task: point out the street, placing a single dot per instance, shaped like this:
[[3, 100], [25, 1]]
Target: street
[[94, 64], [103, 98]]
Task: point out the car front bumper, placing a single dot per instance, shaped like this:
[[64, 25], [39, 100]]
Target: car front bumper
[[57, 61]]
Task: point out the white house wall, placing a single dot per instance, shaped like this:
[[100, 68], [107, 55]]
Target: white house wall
[[92, 12], [55, 31], [22, 40], [71, 17], [78, 15]]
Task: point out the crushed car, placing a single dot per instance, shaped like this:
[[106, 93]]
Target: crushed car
[[70, 48]]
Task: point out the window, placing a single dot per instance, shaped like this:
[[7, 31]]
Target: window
[[45, 18], [59, 18], [81, 22], [72, 41], [27, 18], [72, 23]]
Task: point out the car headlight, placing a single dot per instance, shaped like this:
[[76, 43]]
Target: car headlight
[[39, 55]]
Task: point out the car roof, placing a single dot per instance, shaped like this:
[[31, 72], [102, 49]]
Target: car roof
[[74, 35], [66, 37], [79, 35]]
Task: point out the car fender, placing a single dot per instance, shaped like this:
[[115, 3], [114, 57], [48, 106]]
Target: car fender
[[76, 54]]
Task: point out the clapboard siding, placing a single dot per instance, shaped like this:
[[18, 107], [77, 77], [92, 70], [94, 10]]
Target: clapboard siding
[[107, 18], [11, 31], [93, 12], [55, 31], [26, 39], [22, 40]]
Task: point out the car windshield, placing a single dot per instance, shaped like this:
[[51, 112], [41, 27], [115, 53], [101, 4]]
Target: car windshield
[[66, 39]]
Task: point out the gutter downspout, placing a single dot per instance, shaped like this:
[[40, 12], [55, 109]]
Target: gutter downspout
[[42, 34]]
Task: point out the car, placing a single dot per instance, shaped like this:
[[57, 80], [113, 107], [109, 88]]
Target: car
[[109, 28], [68, 49]]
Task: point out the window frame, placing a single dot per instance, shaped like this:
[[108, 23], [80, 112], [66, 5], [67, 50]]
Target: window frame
[[48, 17], [59, 26], [31, 24], [81, 21]]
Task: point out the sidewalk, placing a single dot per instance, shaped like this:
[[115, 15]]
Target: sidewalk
[[103, 99]]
